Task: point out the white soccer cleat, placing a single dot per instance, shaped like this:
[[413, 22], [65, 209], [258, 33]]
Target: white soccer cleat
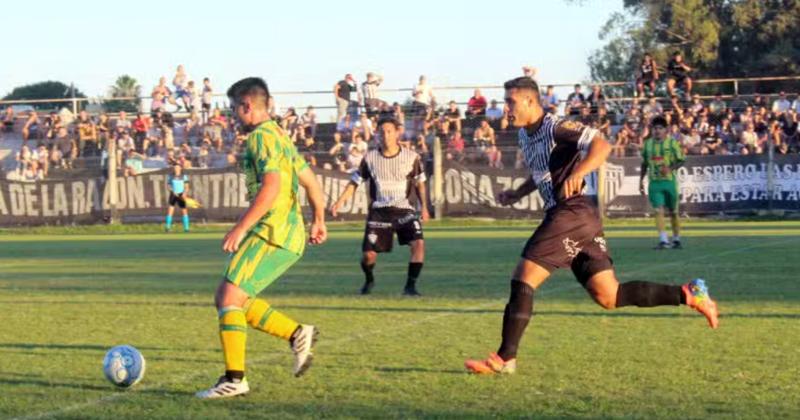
[[303, 348], [225, 388]]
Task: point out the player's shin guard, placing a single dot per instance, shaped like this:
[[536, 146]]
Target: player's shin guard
[[515, 318], [261, 316], [185, 220], [367, 269], [233, 334], [169, 222], [645, 294]]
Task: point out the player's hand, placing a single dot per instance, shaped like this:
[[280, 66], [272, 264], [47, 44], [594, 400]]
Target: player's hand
[[319, 233], [664, 170], [334, 209], [572, 186], [424, 215], [507, 197], [232, 239]]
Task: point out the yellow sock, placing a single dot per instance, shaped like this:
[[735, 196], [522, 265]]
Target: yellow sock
[[233, 334], [261, 316]]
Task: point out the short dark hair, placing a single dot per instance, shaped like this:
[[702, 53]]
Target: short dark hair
[[659, 121], [388, 118], [250, 86], [522, 83], [676, 53]]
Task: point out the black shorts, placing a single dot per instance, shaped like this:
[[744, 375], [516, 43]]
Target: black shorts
[[383, 223], [679, 80], [571, 235], [174, 199]]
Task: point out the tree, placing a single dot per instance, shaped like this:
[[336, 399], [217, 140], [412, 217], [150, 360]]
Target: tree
[[45, 90], [718, 38], [125, 87]]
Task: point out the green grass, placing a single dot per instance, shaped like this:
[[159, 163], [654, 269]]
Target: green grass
[[66, 298]]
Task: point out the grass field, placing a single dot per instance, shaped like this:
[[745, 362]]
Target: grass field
[[66, 298]]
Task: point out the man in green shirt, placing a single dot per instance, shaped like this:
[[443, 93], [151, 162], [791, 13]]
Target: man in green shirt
[[661, 157]]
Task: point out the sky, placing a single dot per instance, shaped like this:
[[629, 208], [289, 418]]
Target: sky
[[298, 45]]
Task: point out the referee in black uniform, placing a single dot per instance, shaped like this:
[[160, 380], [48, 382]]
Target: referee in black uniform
[[559, 154], [393, 172]]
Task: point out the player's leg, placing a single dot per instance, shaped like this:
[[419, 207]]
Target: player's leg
[[671, 203], [170, 212], [527, 277], [688, 83], [656, 195], [368, 261], [409, 232], [185, 217]]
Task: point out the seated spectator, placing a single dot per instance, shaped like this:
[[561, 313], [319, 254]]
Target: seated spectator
[[717, 109], [652, 109], [42, 157], [141, 127], [746, 117], [484, 136], [713, 143], [51, 125], [422, 146], [364, 127], [355, 153], [758, 101], [30, 131], [796, 103], [160, 95], [122, 125], [308, 123], [216, 124], [133, 165], [727, 133], [596, 98], [23, 159], [781, 104], [494, 113], [8, 119], [345, 126], [602, 122], [629, 137], [337, 150], [87, 135], [66, 148], [693, 144], [748, 141], [737, 104], [789, 127], [204, 156], [476, 106], [585, 116], [398, 114], [646, 76], [575, 101], [452, 118], [308, 149], [455, 147], [33, 172], [125, 146], [678, 75], [550, 100], [289, 121], [697, 106], [703, 125], [103, 131]]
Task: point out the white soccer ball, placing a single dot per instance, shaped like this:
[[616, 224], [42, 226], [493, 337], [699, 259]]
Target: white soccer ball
[[124, 366]]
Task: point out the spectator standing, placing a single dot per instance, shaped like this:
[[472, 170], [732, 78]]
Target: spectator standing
[[678, 72], [207, 97], [343, 91], [180, 82], [369, 90]]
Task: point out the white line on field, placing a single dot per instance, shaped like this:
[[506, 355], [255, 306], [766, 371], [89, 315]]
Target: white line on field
[[185, 378]]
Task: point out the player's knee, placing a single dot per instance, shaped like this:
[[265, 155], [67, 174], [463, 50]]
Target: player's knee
[[418, 246], [229, 294], [605, 300], [369, 257]]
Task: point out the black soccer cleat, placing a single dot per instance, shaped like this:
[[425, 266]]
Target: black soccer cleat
[[677, 245], [411, 291], [661, 246], [367, 287]]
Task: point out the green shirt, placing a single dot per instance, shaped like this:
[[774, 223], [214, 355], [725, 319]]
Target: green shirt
[[661, 153], [269, 149]]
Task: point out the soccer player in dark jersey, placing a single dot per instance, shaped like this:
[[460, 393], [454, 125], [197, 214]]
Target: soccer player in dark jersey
[[559, 154], [393, 172], [178, 186]]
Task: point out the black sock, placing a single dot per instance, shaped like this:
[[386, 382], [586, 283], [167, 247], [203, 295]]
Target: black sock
[[414, 268], [515, 318], [645, 294], [367, 269], [234, 374]]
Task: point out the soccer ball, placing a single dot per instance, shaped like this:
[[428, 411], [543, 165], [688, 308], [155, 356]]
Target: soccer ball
[[124, 366]]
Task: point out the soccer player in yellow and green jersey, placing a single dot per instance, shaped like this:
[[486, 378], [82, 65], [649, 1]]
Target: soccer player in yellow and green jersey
[[661, 157], [268, 239]]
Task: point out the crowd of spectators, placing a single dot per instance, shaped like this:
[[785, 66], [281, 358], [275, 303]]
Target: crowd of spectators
[[469, 131]]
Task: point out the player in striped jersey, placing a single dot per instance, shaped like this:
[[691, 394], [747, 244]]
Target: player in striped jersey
[[393, 172], [559, 155], [267, 240]]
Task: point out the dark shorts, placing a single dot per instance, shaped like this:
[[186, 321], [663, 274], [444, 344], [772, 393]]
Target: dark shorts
[[679, 80], [383, 223], [571, 235], [175, 200]]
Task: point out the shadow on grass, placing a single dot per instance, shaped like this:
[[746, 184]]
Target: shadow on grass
[[392, 369], [53, 384], [51, 346]]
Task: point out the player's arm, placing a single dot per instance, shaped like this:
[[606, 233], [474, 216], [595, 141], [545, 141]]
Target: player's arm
[[598, 151], [270, 187], [422, 192], [509, 197], [319, 233], [359, 176], [680, 158], [643, 171]]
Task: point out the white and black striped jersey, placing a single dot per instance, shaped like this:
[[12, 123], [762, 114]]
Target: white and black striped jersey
[[391, 179], [553, 152]]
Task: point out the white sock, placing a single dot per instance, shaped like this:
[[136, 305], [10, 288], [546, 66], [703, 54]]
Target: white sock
[[676, 238], [663, 236]]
